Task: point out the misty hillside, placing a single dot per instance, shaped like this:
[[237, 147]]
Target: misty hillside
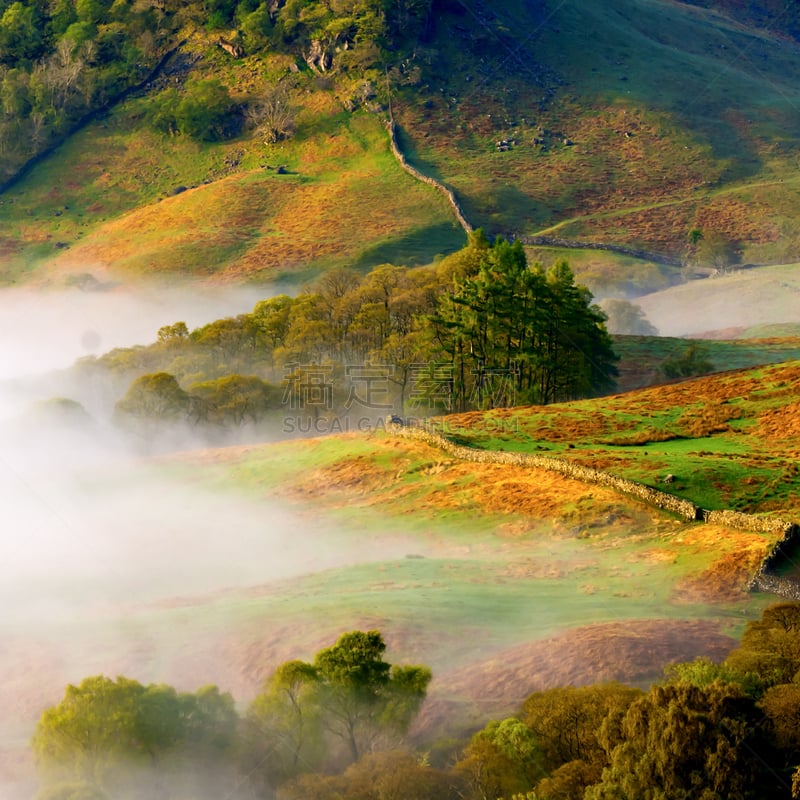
[[299, 333], [247, 141]]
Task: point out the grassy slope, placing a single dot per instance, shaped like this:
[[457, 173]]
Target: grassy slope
[[641, 357], [587, 554], [109, 193], [497, 542], [729, 439], [679, 118], [501, 566], [503, 579], [741, 300]]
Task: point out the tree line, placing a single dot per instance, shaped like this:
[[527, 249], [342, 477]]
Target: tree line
[[713, 731], [479, 329], [337, 727], [123, 740], [62, 60]]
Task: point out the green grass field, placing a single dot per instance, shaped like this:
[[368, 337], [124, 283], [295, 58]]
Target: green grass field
[[490, 574], [642, 357], [494, 555], [728, 440], [679, 119], [149, 205]]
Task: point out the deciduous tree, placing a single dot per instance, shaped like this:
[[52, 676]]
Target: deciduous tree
[[681, 742]]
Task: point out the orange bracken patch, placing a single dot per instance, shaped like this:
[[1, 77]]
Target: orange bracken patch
[[633, 652]]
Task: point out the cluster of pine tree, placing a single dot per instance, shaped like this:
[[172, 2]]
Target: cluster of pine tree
[[479, 329]]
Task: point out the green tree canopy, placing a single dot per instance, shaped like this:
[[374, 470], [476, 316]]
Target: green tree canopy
[[770, 646], [282, 736], [364, 698], [692, 361], [348, 694], [234, 400], [155, 396], [514, 334], [681, 742], [626, 318], [119, 737]]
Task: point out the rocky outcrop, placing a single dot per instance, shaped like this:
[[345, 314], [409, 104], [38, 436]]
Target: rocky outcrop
[[318, 57]]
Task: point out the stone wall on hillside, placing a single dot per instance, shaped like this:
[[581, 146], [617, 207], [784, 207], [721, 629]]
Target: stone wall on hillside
[[749, 522], [763, 581], [766, 579], [555, 241], [668, 502], [448, 193], [775, 584]]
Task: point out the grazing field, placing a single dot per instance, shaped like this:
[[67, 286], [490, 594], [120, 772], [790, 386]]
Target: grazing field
[[150, 206], [684, 120], [728, 440], [503, 579], [490, 558], [642, 357], [679, 120]]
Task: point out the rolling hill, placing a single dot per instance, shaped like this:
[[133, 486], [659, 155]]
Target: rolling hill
[[512, 563], [647, 141], [628, 124]]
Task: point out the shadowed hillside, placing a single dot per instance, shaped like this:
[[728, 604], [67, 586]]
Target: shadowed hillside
[[629, 124]]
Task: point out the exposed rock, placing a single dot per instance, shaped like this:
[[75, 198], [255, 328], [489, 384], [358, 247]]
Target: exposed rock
[[232, 48], [318, 58]]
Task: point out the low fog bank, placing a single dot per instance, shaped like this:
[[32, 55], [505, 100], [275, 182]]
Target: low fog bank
[[77, 542], [743, 299], [46, 330], [49, 329], [92, 536], [95, 557]]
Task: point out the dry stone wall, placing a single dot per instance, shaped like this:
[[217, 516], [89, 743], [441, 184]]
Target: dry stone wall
[[440, 187], [749, 522], [764, 580], [654, 497], [555, 241], [775, 584]]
